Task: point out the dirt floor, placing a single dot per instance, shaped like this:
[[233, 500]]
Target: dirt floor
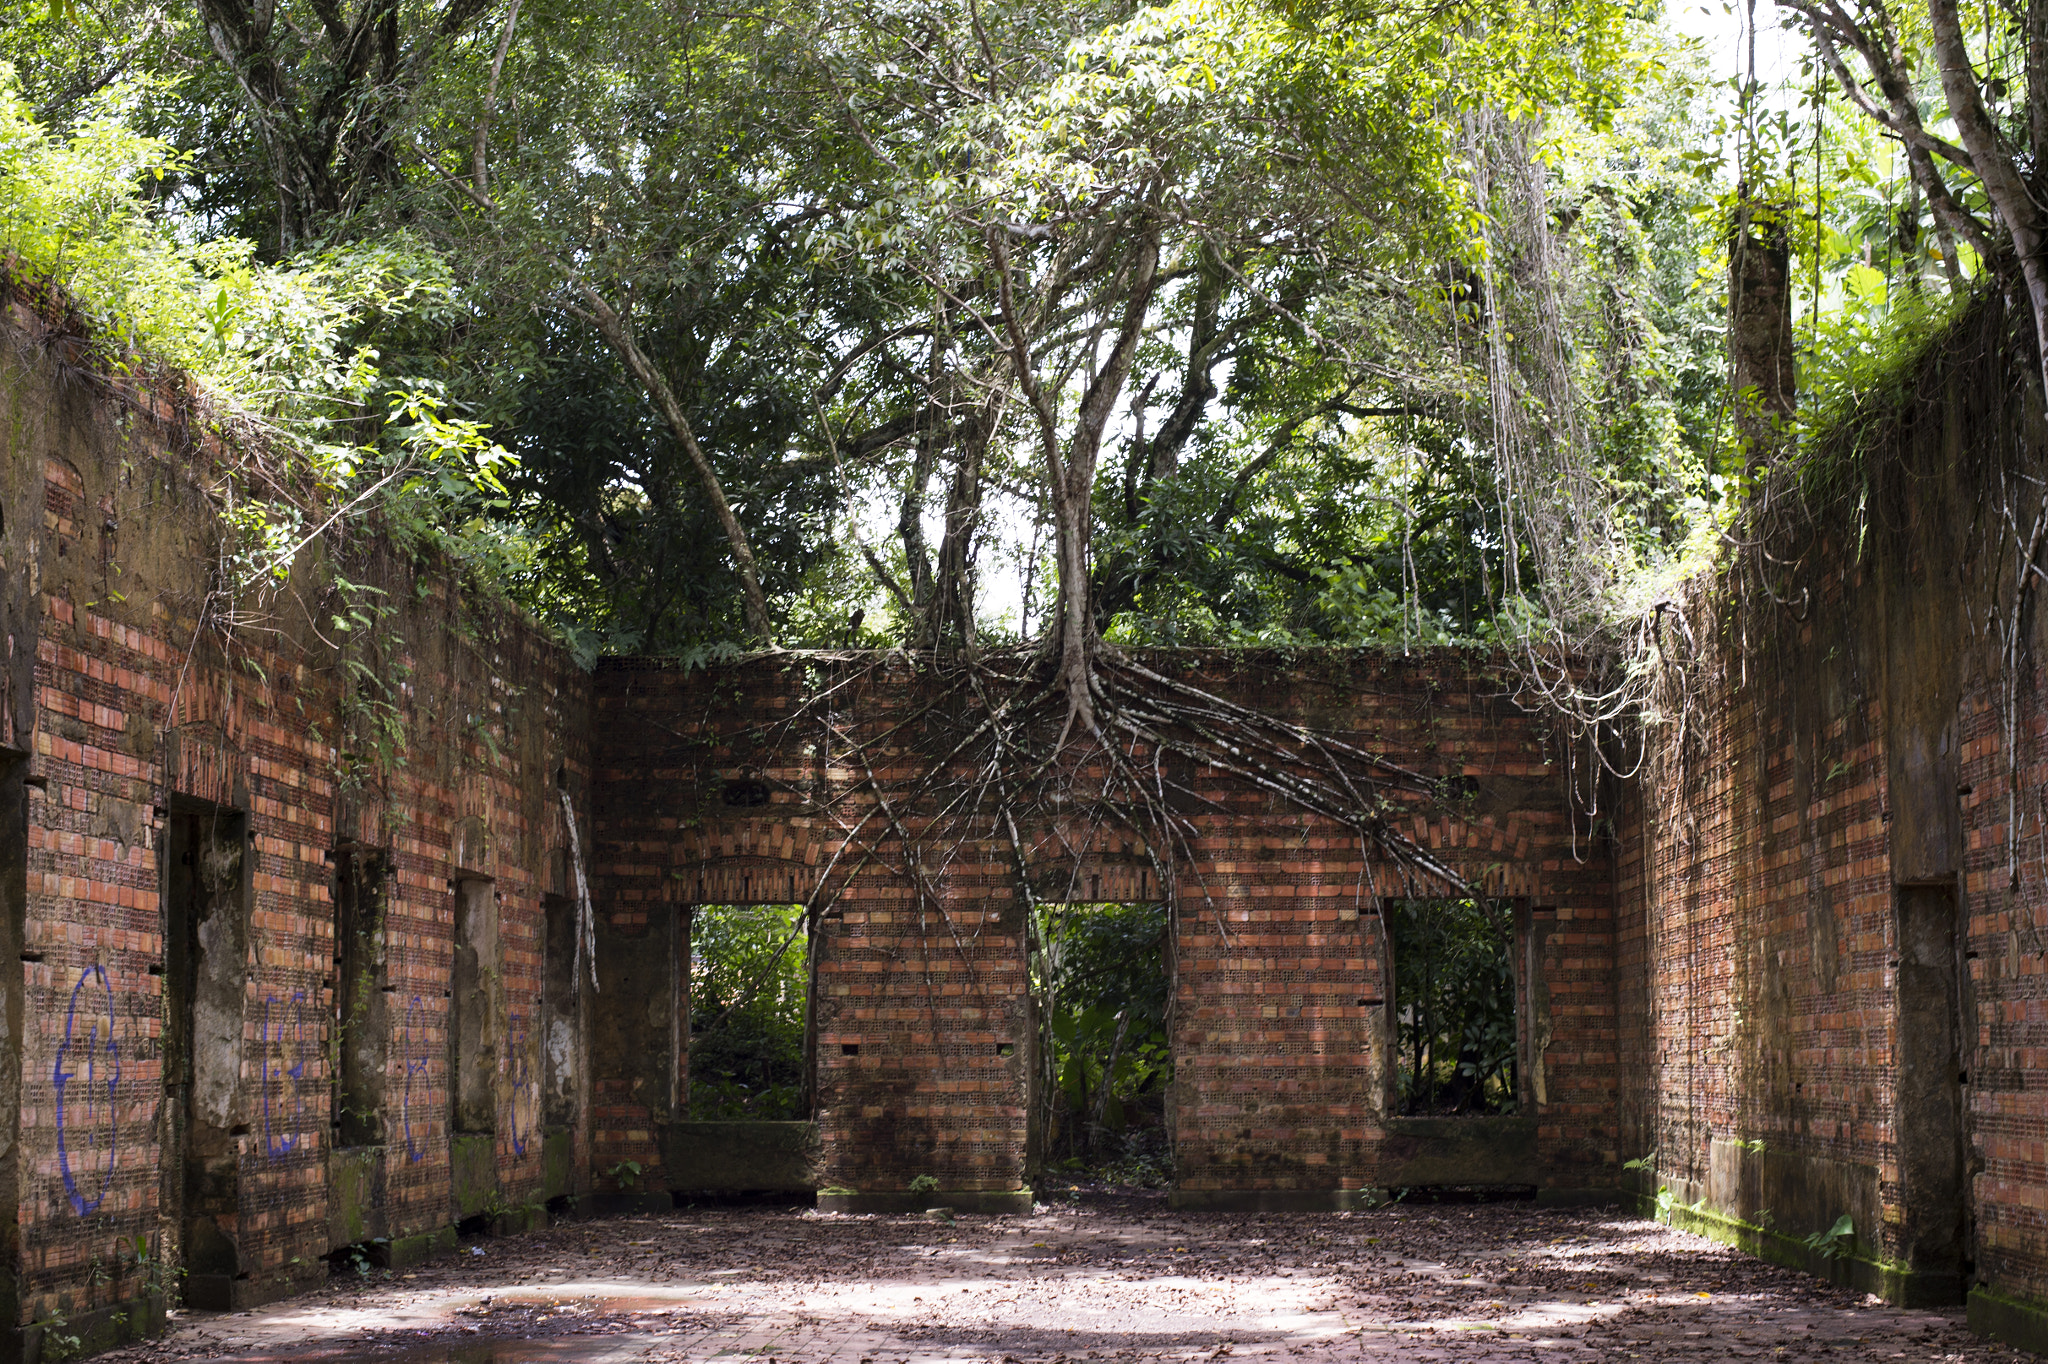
[[1108, 1279]]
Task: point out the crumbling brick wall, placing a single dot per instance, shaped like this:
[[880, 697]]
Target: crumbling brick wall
[[139, 686], [1862, 716], [922, 1005]]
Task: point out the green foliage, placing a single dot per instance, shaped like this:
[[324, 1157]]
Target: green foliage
[[1454, 996], [1837, 1242], [289, 354], [749, 980], [273, 340], [797, 212]]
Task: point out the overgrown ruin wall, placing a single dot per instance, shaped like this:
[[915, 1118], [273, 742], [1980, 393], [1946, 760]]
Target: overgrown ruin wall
[[177, 759], [288, 920], [290, 931], [725, 786], [1831, 884]]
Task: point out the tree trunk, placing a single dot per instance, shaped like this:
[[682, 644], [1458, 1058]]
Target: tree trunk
[[619, 337], [933, 423], [952, 605], [1072, 483], [1996, 168], [241, 39], [1070, 465]]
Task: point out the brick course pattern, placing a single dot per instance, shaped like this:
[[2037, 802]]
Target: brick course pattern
[[136, 687], [1863, 725], [922, 1011], [1714, 982]]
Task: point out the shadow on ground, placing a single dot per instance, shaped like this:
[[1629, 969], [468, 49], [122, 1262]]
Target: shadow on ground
[[1108, 1278]]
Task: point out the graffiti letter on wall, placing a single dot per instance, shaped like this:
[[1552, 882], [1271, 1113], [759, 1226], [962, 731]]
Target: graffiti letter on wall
[[93, 1062], [525, 1089], [412, 1050], [272, 1034]]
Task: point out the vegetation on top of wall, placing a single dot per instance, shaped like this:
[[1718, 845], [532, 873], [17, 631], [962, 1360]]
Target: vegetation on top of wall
[[294, 364], [1863, 380]]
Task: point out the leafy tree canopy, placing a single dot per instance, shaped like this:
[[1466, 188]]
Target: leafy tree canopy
[[959, 325]]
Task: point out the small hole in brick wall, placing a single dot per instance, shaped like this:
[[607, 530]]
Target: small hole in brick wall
[[1005, 1049], [31, 956], [745, 792], [849, 1048]]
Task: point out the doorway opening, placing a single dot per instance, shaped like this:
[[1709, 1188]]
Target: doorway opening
[[1457, 1037], [361, 1018], [560, 1028], [474, 1019], [749, 1012], [206, 952], [1102, 988], [1933, 1232]]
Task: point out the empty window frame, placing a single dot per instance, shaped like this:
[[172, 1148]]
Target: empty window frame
[[748, 1006], [1456, 1030]]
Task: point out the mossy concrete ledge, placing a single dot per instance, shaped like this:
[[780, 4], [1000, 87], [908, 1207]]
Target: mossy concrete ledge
[[401, 1252], [2018, 1321], [1275, 1200], [906, 1200], [473, 1165], [1895, 1283], [88, 1333], [557, 1151], [741, 1157], [355, 1195]]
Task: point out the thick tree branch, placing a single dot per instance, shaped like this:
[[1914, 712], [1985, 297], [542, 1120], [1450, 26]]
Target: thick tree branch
[[618, 335]]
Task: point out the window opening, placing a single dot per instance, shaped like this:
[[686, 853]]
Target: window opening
[[750, 979], [362, 1027], [1457, 1035], [1102, 986]]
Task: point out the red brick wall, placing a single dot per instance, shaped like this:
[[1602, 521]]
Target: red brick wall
[[1280, 1069], [1846, 734], [151, 686]]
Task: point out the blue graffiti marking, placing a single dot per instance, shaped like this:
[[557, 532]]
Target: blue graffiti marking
[[414, 1065], [84, 1056], [268, 1035], [522, 1082]]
